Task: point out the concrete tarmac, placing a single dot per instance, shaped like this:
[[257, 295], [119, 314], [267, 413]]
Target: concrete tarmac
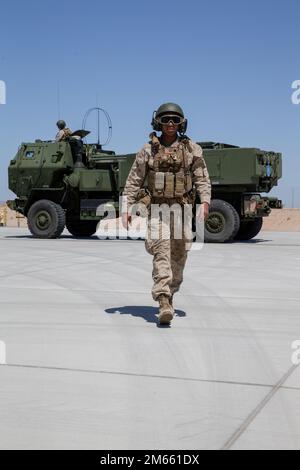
[[88, 367]]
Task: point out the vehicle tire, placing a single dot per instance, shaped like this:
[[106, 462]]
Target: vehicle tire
[[81, 228], [249, 229], [222, 223], [46, 219]]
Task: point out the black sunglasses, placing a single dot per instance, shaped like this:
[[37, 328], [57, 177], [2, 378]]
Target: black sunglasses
[[167, 118]]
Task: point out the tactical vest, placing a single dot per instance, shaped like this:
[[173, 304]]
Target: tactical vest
[[168, 172], [67, 133]]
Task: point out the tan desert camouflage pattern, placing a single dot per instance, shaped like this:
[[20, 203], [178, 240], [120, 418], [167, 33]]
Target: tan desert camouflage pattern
[[169, 252], [63, 134], [168, 243], [195, 162]]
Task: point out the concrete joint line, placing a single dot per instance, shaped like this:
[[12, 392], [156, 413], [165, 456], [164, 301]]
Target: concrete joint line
[[250, 418], [132, 374]]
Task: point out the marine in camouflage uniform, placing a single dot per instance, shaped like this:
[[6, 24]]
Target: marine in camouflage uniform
[[175, 169], [75, 141], [63, 131]]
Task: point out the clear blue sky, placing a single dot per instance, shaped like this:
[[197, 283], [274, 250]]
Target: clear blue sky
[[229, 63]]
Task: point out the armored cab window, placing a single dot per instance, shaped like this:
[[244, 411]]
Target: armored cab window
[[29, 154]]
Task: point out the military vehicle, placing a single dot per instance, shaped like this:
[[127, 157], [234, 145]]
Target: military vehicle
[[55, 190]]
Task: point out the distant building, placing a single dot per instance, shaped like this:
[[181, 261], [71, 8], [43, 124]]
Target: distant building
[[9, 218]]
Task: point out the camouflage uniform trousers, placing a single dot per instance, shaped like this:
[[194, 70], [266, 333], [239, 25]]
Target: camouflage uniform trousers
[[168, 241]]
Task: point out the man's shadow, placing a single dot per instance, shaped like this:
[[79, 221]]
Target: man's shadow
[[149, 314]]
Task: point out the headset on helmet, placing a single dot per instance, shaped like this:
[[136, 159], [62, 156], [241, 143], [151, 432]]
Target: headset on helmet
[[167, 108]]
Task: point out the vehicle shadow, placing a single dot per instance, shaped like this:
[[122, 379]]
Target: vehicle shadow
[[95, 238], [149, 314], [71, 237], [252, 241]]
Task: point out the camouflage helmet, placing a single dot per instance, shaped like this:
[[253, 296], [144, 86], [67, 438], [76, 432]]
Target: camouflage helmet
[[168, 108], [61, 124]]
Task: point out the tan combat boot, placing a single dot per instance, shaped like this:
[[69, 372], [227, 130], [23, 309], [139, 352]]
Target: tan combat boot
[[165, 310], [171, 303]]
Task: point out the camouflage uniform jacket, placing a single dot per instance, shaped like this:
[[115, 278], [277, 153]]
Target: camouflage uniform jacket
[[63, 134]]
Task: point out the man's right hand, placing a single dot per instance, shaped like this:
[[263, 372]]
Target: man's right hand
[[126, 220]]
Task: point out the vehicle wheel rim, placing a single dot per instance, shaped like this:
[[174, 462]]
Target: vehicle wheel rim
[[43, 220], [215, 222]]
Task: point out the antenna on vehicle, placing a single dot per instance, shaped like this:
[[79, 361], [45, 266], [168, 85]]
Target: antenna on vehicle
[[58, 100], [108, 120]]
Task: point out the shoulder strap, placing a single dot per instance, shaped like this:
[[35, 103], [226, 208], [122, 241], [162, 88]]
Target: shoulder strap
[[185, 145], [155, 144], [186, 142]]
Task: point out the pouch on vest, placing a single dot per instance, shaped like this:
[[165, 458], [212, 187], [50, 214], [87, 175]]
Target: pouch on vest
[[67, 133], [143, 197], [180, 186], [188, 182], [169, 185], [159, 183]]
